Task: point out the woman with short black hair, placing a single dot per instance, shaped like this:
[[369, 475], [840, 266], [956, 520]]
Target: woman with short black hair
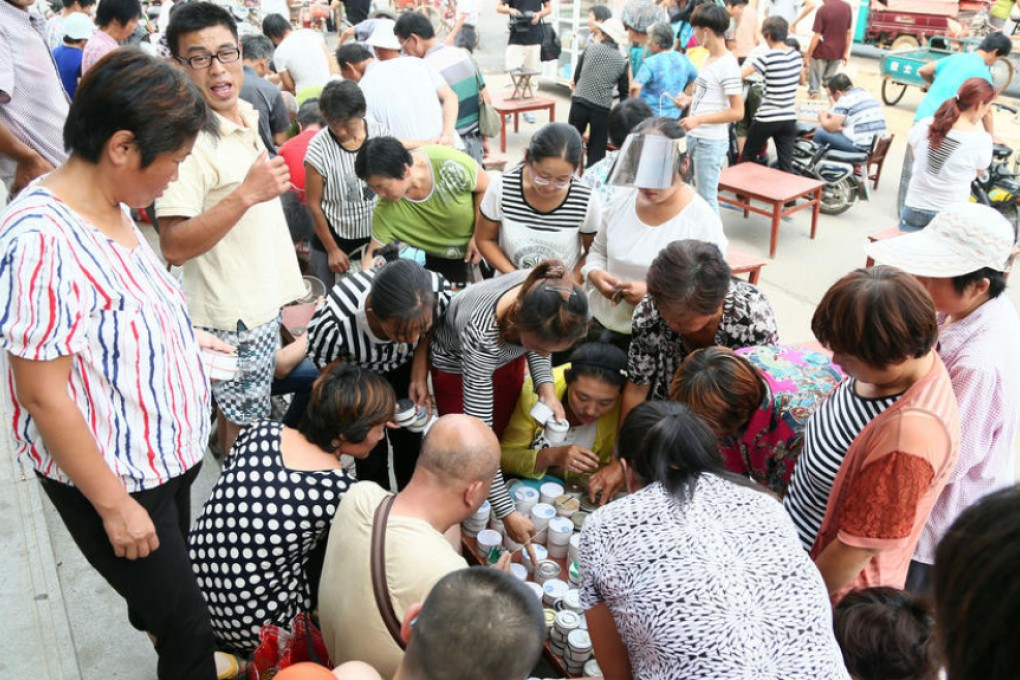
[[382, 320], [274, 502], [108, 399]]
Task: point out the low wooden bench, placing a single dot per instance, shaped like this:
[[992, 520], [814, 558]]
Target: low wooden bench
[[743, 263]]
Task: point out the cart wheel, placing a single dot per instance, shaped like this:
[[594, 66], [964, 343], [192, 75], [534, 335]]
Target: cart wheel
[[892, 92], [904, 42], [1002, 73]]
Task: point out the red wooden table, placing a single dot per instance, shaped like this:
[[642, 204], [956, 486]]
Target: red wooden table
[[471, 554], [750, 182], [505, 106]]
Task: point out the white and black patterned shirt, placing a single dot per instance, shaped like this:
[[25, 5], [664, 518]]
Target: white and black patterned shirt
[[828, 435], [598, 74], [347, 202], [656, 350], [713, 588], [781, 70], [340, 330], [527, 236]]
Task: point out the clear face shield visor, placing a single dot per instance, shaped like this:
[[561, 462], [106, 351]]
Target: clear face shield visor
[[648, 160]]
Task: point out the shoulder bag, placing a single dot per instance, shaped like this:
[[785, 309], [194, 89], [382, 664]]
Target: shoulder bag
[[488, 117], [380, 589]]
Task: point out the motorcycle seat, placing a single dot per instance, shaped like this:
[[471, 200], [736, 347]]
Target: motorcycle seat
[[852, 157], [806, 129]]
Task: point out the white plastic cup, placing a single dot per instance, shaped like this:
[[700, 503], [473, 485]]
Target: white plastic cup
[[541, 513], [550, 492], [560, 531], [553, 590], [574, 544], [403, 412], [556, 432], [557, 551], [525, 498], [490, 544], [519, 570], [536, 589]]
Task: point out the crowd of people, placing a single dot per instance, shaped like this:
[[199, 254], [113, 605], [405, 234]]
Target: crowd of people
[[760, 507]]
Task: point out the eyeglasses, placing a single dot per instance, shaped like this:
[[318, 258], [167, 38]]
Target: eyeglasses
[[204, 61], [545, 181], [566, 293]]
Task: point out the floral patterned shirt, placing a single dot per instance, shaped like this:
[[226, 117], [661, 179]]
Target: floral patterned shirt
[[656, 350], [797, 381]]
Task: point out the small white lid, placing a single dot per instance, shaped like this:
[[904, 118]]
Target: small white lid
[[543, 511], [566, 619], [561, 525], [555, 588], [489, 538], [537, 589], [575, 541], [579, 639], [519, 570], [540, 552], [524, 493], [483, 510], [552, 489]]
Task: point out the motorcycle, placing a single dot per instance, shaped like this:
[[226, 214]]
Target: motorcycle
[[845, 173]]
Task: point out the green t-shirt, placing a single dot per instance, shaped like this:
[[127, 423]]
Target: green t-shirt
[[442, 223]]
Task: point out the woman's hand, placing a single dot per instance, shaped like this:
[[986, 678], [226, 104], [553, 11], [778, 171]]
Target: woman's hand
[[547, 395], [130, 529], [571, 458], [207, 340], [339, 263], [418, 392], [521, 529], [609, 480], [633, 292], [604, 283]]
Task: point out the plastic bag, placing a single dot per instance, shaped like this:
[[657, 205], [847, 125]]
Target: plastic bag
[[279, 648]]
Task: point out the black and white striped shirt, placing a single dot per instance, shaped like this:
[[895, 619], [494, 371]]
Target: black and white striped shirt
[[340, 330], [781, 70], [347, 202], [527, 236], [467, 342], [829, 433]]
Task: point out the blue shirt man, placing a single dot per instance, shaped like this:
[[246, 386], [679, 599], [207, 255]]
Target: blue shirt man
[[68, 58]]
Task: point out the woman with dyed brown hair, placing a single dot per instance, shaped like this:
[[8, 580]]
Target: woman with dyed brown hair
[[757, 401]]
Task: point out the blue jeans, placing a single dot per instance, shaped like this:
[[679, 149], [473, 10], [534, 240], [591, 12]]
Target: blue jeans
[[915, 219], [299, 383], [707, 156], [836, 140]]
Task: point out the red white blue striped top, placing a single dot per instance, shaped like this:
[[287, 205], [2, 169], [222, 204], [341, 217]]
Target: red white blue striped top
[[67, 289]]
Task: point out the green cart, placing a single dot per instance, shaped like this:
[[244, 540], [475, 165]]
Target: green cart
[[900, 69]]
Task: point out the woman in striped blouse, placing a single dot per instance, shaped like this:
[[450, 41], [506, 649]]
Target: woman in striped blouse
[[478, 350], [540, 209], [108, 399]]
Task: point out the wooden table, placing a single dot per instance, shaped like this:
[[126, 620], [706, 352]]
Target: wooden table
[[505, 106], [750, 182], [742, 263], [472, 555]]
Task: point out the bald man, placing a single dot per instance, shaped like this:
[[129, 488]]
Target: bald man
[[459, 458]]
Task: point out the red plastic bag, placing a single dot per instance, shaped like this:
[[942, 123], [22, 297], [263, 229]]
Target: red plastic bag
[[279, 648]]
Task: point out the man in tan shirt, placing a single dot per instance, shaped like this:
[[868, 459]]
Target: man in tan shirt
[[222, 220], [458, 460]]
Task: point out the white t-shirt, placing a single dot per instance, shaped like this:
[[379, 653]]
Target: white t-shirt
[[942, 176], [527, 236], [303, 54], [717, 81], [788, 9], [469, 7], [625, 247], [402, 94]]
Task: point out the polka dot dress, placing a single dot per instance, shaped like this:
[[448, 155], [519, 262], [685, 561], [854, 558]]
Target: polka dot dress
[[250, 544]]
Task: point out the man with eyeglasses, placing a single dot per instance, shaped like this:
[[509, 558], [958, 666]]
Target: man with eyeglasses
[[222, 220]]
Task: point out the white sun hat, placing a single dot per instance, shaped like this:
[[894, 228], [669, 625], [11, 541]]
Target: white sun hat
[[961, 239], [383, 36]]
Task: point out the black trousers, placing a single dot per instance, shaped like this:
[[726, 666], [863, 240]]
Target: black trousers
[[596, 121], [162, 595], [782, 133], [356, 11], [406, 444]]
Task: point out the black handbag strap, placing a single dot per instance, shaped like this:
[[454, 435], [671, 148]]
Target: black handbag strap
[[380, 589]]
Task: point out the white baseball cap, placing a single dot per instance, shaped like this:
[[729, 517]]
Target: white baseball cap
[[961, 239], [383, 37], [78, 26]]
